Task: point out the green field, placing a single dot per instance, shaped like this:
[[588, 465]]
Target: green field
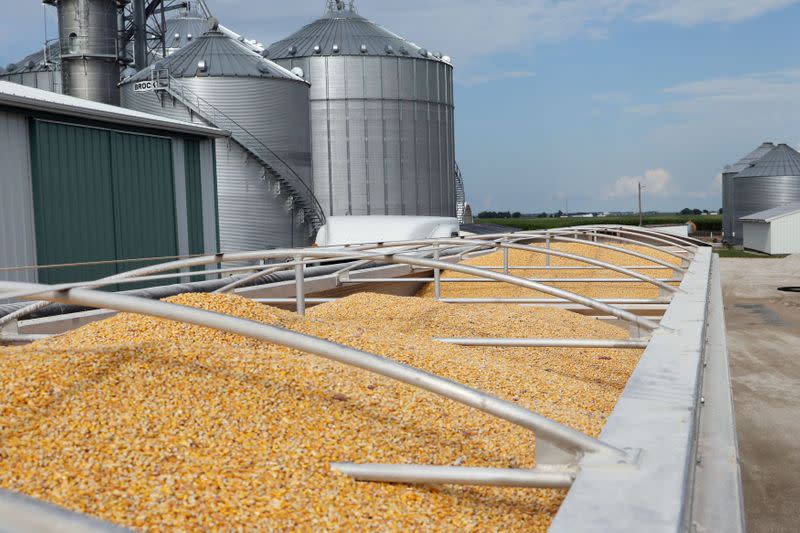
[[703, 222]]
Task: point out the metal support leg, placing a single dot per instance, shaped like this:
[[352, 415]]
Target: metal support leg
[[505, 260], [300, 286], [547, 241], [437, 275]]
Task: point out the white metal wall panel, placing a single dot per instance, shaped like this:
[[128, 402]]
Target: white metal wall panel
[[373, 78], [354, 76], [321, 161], [394, 176], [421, 84], [359, 188], [389, 72], [757, 236], [422, 156], [409, 157], [407, 85], [785, 235], [317, 76], [17, 230], [336, 74], [375, 157], [340, 179]]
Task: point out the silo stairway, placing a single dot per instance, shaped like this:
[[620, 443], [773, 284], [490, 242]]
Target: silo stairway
[[300, 194]]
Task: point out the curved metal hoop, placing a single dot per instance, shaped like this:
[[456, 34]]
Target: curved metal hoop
[[565, 438]]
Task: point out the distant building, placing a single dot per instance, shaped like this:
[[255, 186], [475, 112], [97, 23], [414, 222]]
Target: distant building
[[774, 231]]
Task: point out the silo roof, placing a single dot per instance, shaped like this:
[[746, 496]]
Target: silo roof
[[349, 31], [780, 161], [223, 57], [184, 28], [749, 159], [35, 62], [775, 213]]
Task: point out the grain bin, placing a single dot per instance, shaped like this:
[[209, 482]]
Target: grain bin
[[89, 44], [264, 168], [40, 70], [728, 191], [772, 181], [381, 117]]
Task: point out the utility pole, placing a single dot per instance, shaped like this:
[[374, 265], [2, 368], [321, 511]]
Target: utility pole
[[640, 203]]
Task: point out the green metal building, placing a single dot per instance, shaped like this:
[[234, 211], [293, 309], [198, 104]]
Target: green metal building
[[82, 182]]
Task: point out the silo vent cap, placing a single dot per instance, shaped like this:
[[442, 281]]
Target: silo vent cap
[[335, 48], [292, 50], [213, 24], [297, 71], [363, 48], [389, 49], [202, 66], [317, 49]]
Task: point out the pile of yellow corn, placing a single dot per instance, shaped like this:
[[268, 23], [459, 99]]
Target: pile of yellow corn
[[163, 426], [521, 258]]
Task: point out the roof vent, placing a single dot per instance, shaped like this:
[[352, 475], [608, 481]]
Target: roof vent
[[335, 48], [202, 66], [423, 52], [213, 24], [177, 36], [292, 50], [447, 59], [363, 48], [31, 64], [404, 50], [264, 68], [188, 36], [265, 53], [389, 49], [317, 49], [437, 55], [11, 66], [297, 71]]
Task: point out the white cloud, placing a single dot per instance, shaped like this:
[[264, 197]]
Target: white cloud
[[656, 181], [693, 12], [471, 30], [740, 94], [496, 76]]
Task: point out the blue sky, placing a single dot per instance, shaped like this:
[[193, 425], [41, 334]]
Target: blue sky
[[575, 101]]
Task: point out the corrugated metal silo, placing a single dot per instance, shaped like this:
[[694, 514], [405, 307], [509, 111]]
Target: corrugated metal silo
[[381, 117], [40, 70], [772, 181], [728, 188], [181, 30], [264, 169], [89, 43]]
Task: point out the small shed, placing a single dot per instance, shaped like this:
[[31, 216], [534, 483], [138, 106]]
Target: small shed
[[82, 182], [774, 231]]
